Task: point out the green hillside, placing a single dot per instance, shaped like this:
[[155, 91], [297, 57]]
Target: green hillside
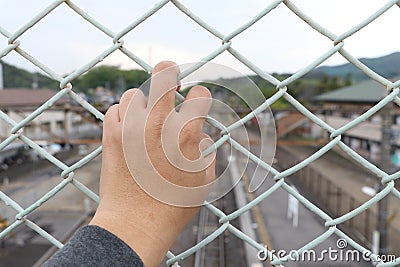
[[19, 78], [387, 66], [107, 76], [320, 80]]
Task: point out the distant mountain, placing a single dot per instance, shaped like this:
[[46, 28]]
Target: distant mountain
[[387, 66], [19, 78], [321, 79]]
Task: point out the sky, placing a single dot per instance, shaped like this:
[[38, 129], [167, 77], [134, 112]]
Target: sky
[[279, 42]]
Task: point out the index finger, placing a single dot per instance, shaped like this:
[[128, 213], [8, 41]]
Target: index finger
[[163, 84]]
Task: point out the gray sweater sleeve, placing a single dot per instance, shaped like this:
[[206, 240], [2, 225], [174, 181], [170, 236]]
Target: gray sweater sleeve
[[94, 246]]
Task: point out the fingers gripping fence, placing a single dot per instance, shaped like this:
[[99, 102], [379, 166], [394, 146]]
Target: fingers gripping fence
[[282, 88]]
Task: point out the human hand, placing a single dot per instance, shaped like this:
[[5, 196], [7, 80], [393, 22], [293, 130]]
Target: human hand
[[153, 175]]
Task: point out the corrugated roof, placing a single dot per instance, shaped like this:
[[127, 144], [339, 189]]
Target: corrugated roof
[[16, 97], [364, 92], [289, 123]]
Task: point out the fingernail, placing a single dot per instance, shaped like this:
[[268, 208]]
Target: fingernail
[[178, 87]]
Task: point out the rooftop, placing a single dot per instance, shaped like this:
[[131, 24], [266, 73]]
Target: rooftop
[[26, 97], [364, 92]]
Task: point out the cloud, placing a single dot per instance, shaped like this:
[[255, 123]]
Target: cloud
[[279, 42]]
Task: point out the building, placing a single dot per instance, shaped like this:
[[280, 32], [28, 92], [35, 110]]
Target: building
[[65, 122], [341, 106], [19, 103]]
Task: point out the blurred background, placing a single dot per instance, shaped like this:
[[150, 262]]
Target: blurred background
[[280, 44]]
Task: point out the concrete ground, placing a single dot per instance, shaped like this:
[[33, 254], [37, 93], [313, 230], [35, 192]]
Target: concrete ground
[[350, 176], [58, 216], [281, 232]]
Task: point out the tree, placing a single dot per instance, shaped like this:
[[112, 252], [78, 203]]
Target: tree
[[19, 78], [110, 76]]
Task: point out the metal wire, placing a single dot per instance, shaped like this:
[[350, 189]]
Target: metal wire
[[283, 90]]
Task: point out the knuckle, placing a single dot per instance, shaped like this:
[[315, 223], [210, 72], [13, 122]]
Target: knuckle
[[112, 136], [154, 124], [189, 133], [110, 132]]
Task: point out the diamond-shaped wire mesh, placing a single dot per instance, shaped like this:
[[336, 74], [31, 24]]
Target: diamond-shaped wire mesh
[[283, 91]]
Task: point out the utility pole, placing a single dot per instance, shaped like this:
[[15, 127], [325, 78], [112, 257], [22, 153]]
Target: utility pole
[[150, 59], [35, 81], [386, 166], [1, 76]]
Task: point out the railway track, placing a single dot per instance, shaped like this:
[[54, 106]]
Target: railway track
[[225, 250]]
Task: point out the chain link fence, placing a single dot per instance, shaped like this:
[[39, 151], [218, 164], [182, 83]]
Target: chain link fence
[[335, 200], [282, 91]]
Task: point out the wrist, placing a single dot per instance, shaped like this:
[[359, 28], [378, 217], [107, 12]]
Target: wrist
[[144, 242]]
